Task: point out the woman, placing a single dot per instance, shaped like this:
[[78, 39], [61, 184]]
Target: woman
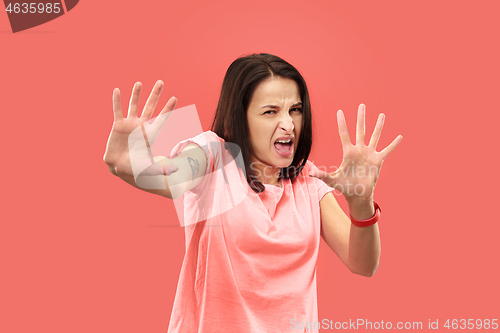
[[250, 264]]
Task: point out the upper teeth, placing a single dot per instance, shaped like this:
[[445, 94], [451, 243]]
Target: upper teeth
[[284, 141]]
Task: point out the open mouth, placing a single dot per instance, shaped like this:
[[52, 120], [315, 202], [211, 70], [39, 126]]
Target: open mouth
[[284, 147]]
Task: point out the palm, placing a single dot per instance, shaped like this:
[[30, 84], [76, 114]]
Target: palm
[[126, 144], [117, 149], [361, 164]]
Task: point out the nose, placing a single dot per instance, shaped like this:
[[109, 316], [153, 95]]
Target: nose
[[286, 123]]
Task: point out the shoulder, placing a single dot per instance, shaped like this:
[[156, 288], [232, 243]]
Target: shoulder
[[308, 167], [206, 141], [212, 136], [206, 137], [316, 185], [303, 178]]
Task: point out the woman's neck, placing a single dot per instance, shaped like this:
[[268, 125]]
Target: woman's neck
[[266, 174]]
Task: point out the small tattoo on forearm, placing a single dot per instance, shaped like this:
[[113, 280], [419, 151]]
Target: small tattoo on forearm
[[195, 166]]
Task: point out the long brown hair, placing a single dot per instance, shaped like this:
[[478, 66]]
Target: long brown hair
[[230, 121]]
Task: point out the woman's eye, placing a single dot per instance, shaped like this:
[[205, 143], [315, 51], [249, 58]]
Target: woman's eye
[[270, 112], [297, 110]]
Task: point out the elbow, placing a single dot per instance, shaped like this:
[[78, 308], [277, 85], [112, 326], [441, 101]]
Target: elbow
[[112, 169], [368, 271]]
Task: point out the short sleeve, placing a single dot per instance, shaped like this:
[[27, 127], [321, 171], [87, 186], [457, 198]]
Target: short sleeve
[[206, 142], [321, 186], [223, 186]]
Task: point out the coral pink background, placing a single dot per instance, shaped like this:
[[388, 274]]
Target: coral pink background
[[82, 251]]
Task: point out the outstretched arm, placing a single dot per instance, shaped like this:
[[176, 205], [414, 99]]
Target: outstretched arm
[[191, 166], [357, 247], [128, 151]]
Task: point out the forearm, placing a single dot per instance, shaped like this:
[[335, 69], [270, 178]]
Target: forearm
[[152, 184], [190, 164], [364, 242]]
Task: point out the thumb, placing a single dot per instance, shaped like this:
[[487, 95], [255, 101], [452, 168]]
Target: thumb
[[329, 178], [319, 174], [167, 167], [170, 169]]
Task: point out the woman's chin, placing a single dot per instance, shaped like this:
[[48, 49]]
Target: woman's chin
[[284, 163]]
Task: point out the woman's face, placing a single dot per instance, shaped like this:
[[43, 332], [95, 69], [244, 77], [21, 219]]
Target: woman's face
[[274, 118]]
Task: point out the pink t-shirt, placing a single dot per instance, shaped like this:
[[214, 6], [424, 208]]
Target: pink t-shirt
[[250, 267]]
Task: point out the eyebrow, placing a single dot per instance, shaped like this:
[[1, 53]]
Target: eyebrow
[[270, 106]]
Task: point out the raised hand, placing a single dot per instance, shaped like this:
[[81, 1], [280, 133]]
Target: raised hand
[[357, 175], [129, 144]]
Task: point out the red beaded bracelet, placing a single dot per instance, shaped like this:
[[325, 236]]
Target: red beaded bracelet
[[370, 221]]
